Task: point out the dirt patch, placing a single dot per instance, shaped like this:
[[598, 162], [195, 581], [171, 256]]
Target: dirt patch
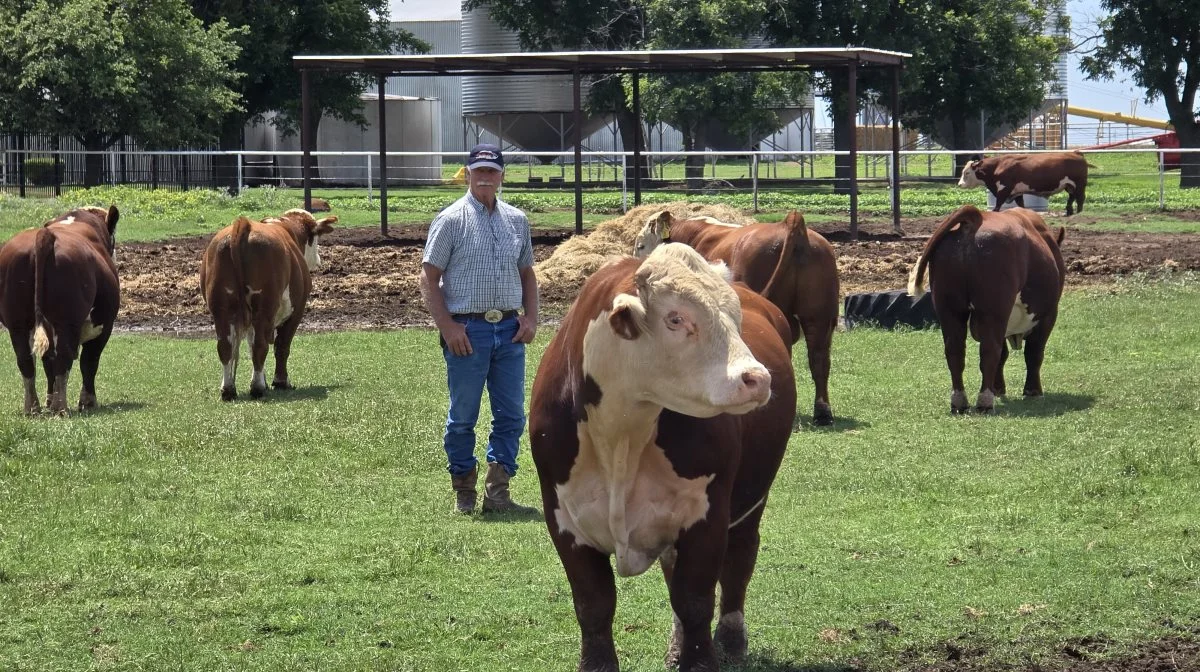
[[369, 281]]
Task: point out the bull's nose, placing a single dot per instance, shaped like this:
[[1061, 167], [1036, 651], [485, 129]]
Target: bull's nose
[[758, 383]]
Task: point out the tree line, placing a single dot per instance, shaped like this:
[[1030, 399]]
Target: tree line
[[169, 73]]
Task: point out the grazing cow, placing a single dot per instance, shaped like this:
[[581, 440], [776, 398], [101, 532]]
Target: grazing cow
[[255, 280], [1002, 273], [791, 265], [59, 289], [1011, 176], [659, 416]]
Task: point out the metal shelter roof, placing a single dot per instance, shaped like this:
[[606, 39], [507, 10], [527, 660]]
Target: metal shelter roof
[[579, 64], [598, 62]]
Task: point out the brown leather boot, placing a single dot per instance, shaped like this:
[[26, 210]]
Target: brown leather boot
[[464, 490], [495, 493]]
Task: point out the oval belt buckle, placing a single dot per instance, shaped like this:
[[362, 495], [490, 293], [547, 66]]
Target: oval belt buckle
[[493, 316]]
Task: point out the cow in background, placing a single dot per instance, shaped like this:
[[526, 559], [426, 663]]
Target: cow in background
[[58, 291], [255, 278], [1011, 176], [1001, 273], [791, 265], [659, 416]]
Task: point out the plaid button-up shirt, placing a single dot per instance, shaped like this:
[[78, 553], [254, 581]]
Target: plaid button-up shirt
[[480, 254]]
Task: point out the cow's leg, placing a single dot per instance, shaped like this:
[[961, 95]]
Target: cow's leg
[[818, 336], [283, 349], [693, 584], [259, 340], [999, 386], [228, 347], [594, 593], [89, 363], [1001, 197], [989, 331], [1079, 198], [954, 341], [59, 362], [675, 645], [1035, 352], [1070, 198], [1020, 200], [28, 368], [741, 553]]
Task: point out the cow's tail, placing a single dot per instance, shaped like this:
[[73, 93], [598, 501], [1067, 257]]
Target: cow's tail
[[795, 242], [43, 252], [969, 217], [238, 237]]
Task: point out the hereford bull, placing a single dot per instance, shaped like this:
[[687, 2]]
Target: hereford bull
[[59, 290], [255, 278], [1011, 176], [791, 265], [659, 415], [1002, 273]]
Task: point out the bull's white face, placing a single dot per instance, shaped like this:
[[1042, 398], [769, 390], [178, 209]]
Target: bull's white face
[[650, 236], [968, 179], [312, 256], [677, 343]]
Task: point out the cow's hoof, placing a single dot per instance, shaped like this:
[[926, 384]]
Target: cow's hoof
[[731, 644], [1033, 393], [984, 410], [228, 394], [87, 402], [258, 392], [822, 416], [283, 385], [955, 410]]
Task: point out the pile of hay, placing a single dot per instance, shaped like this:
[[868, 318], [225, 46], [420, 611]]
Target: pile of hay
[[561, 276]]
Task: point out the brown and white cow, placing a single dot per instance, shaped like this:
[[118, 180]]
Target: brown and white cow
[[1011, 176], [255, 277], [791, 265], [59, 290], [1001, 273], [659, 415]]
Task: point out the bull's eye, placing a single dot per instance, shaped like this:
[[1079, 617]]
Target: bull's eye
[[675, 321]]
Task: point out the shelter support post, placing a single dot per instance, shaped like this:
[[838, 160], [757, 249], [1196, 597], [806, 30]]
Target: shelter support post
[[637, 139], [578, 132], [383, 207], [306, 140], [852, 111], [896, 149]]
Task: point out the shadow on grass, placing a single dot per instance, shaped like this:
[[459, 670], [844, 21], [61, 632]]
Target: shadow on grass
[[514, 517], [122, 406], [841, 423], [758, 662], [1048, 405]]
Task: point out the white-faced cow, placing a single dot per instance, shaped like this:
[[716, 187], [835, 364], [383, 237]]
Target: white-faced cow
[[1011, 176], [659, 415], [791, 265], [255, 280], [59, 290], [1002, 274]]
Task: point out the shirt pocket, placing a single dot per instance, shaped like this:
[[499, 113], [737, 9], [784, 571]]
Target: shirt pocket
[[508, 245]]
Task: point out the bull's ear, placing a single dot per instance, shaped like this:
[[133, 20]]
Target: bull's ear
[[325, 225], [662, 224], [628, 316], [111, 219]]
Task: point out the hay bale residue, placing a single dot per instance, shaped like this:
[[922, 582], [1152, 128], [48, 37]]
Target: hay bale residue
[[573, 261]]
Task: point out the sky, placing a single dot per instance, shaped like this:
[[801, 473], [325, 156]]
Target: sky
[[1119, 95]]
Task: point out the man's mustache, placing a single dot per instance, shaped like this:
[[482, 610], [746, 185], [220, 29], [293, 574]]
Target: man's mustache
[[485, 184]]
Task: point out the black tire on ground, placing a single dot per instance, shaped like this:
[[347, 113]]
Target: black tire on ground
[[888, 309]]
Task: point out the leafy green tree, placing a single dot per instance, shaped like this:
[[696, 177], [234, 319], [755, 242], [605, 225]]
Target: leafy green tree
[[272, 31], [969, 56], [979, 55], [1159, 43], [743, 103], [98, 70]]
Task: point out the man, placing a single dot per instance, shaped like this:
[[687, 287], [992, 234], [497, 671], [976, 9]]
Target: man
[[476, 273]]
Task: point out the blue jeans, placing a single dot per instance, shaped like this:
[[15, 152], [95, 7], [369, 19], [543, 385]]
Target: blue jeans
[[500, 364]]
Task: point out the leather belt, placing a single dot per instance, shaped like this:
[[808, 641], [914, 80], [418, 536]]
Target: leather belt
[[492, 316]]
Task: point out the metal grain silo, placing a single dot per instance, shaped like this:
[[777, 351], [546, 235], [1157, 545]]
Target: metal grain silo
[[533, 112], [413, 125]]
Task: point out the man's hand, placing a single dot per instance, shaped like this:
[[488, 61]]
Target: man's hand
[[526, 329], [455, 336]]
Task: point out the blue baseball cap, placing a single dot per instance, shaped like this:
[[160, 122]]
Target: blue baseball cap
[[485, 156]]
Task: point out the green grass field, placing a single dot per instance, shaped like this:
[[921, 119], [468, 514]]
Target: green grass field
[[312, 530]]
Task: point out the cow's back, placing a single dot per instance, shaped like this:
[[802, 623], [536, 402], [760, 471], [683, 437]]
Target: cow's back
[[80, 280], [269, 261]]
